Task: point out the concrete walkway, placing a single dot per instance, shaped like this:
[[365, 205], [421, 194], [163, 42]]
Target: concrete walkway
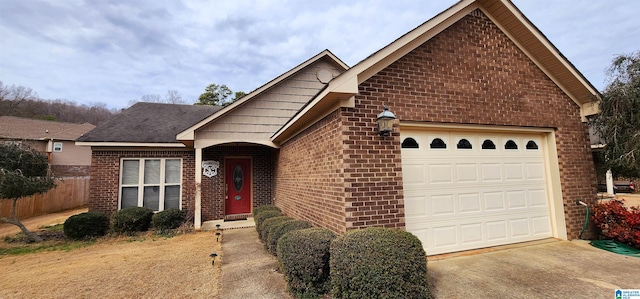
[[248, 270]]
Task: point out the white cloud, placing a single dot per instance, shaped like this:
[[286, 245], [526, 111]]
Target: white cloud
[[113, 52]]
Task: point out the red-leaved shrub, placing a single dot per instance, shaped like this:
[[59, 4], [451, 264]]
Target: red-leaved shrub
[[617, 222]]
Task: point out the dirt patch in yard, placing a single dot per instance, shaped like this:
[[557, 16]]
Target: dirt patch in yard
[[148, 266]]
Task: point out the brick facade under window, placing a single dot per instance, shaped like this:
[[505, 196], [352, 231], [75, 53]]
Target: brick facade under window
[[340, 174], [105, 177]]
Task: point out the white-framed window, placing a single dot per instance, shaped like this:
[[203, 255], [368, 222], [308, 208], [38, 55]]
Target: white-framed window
[[154, 183], [57, 147]]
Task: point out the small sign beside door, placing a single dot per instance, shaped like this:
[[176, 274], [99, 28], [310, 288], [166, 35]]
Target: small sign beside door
[[210, 168]]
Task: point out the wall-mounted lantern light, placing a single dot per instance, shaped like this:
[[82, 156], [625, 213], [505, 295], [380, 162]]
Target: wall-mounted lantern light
[[385, 122]]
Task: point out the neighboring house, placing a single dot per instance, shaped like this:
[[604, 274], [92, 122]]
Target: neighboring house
[[52, 138], [490, 145]]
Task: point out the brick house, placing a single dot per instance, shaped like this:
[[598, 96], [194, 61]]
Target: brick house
[[490, 145], [53, 139]]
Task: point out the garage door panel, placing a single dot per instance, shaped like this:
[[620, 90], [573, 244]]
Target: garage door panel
[[541, 226], [469, 203], [471, 233], [493, 201], [496, 230], [415, 206], [461, 199], [442, 205], [440, 173], [491, 172], [517, 199], [413, 174], [445, 236], [519, 227], [466, 172], [513, 171], [538, 198], [535, 171]]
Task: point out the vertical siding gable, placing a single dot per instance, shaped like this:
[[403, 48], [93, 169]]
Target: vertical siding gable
[[263, 115]]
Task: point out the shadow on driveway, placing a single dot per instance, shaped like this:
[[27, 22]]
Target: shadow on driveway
[[551, 269]]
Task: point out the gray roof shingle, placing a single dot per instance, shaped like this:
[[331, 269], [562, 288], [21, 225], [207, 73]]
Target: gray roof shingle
[[149, 123]]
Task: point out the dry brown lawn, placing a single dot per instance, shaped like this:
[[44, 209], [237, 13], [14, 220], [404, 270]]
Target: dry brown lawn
[[148, 266]]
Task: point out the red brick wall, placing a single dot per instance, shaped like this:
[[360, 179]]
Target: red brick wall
[[105, 172], [471, 73], [309, 180], [262, 158]]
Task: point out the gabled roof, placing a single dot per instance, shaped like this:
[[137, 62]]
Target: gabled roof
[[12, 127], [502, 12], [189, 133], [147, 124]]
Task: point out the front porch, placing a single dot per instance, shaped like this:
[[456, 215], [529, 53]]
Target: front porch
[[243, 180]]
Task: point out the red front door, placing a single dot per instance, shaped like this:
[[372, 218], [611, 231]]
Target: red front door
[[238, 186]]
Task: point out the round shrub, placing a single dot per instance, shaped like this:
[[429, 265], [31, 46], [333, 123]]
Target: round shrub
[[168, 219], [303, 256], [133, 219], [86, 225], [378, 263], [278, 230], [264, 215], [265, 227], [261, 209]]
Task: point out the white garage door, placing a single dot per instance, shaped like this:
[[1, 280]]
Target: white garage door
[[468, 190]]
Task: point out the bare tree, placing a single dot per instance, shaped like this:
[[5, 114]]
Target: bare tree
[[12, 96], [173, 97]]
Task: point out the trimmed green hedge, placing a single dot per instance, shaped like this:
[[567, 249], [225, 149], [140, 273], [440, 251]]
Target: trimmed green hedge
[[260, 209], [264, 215], [168, 219], [278, 230], [303, 256], [86, 225], [265, 227], [133, 219], [378, 263]]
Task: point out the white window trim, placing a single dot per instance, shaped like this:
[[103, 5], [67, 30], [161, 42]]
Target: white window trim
[[141, 183], [57, 148]]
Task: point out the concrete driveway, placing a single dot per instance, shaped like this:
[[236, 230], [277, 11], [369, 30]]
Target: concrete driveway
[[543, 269]]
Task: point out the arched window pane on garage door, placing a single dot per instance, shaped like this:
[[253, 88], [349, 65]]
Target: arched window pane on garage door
[[488, 144], [464, 144], [510, 145], [532, 145], [437, 143], [410, 143]]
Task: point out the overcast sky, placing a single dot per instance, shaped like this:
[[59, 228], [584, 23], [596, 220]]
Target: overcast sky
[[108, 51]]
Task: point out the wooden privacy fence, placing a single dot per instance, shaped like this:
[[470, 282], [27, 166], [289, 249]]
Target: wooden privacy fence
[[69, 193]]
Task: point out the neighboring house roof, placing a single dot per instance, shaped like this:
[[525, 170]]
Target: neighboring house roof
[[12, 127], [502, 12], [189, 133], [147, 124]]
